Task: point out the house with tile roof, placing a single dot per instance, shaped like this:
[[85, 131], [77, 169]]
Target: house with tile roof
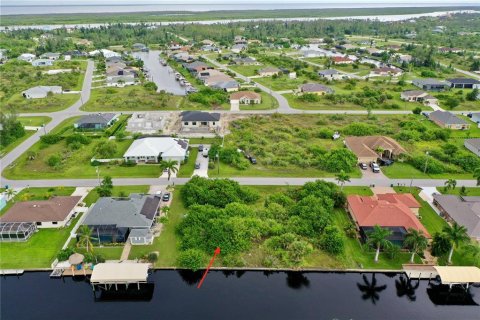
[[369, 148], [246, 97], [396, 212]]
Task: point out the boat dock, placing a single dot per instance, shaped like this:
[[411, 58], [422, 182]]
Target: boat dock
[[449, 275], [8, 272], [420, 271], [108, 275]]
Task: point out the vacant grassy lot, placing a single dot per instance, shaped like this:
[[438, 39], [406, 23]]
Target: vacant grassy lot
[[355, 256], [34, 121], [282, 83], [469, 191], [248, 71], [356, 95]]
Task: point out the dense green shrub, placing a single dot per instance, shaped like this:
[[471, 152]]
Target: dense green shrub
[[50, 138], [338, 160], [12, 129], [332, 240], [54, 160], [360, 129], [218, 192]]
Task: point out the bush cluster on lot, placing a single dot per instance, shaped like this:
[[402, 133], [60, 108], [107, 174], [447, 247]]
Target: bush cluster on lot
[[12, 129], [288, 227]]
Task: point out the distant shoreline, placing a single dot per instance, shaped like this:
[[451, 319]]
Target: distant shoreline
[[194, 16]]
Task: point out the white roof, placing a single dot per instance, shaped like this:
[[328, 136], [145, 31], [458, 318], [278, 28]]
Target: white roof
[[119, 272], [39, 90], [452, 275], [156, 146]]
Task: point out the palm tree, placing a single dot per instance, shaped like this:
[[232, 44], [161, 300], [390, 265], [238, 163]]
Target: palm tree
[[450, 184], [11, 193], [378, 238], [165, 210], [473, 250], [370, 289], [170, 166], [342, 177], [85, 238], [416, 241], [476, 175], [456, 234]]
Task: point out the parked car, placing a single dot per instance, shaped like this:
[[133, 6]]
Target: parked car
[[385, 162], [375, 167], [197, 165], [200, 148], [363, 166], [253, 160], [205, 152], [166, 196]]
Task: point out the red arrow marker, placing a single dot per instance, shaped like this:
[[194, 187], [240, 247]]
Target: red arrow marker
[[216, 252]]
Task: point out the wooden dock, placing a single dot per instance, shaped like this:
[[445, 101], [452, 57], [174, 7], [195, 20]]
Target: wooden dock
[[420, 271], [7, 272]]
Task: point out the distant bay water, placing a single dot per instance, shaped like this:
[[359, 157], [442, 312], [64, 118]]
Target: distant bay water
[[51, 9]]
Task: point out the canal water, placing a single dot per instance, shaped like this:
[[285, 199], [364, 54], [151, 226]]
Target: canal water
[[240, 295], [163, 76]]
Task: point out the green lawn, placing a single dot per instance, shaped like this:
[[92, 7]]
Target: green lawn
[[281, 83], [34, 121], [247, 71], [470, 191], [204, 140], [117, 191], [260, 170], [400, 170], [16, 143], [38, 194], [186, 169], [37, 252], [361, 191], [136, 98]]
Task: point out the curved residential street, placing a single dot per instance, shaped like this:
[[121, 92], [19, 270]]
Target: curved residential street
[[283, 107]]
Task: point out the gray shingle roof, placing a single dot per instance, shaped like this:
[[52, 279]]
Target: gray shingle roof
[[102, 118], [446, 117], [463, 81], [137, 211], [464, 210], [473, 142], [328, 72], [200, 116]]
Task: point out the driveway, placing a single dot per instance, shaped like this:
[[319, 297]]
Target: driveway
[[203, 171]]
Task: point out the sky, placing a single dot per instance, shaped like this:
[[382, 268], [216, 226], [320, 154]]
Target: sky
[[333, 2]]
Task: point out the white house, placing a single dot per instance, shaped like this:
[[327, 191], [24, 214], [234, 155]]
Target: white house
[[156, 149], [50, 56], [42, 63], [28, 57], [39, 92]]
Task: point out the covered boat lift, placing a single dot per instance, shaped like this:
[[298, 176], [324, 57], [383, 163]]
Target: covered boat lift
[[106, 275], [458, 275]]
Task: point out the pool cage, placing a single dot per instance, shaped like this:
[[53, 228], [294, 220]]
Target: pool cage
[[16, 231]]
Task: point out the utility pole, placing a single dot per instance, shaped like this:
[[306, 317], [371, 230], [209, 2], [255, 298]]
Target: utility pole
[[98, 174]]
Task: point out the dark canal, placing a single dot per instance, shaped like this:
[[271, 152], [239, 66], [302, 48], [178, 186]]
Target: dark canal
[[240, 295]]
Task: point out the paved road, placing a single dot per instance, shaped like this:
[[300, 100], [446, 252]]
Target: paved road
[[382, 182], [57, 118], [283, 106]]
